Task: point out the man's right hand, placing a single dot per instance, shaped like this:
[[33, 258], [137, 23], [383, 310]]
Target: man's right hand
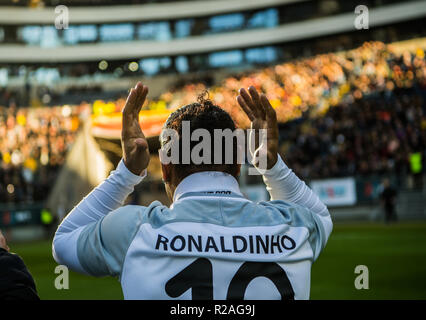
[[262, 116], [133, 142], [3, 243]]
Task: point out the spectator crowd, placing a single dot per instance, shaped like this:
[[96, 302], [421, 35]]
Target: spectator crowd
[[355, 112], [315, 83], [33, 146], [381, 134]]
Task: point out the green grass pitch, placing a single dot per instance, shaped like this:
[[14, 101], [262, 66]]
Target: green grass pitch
[[394, 254]]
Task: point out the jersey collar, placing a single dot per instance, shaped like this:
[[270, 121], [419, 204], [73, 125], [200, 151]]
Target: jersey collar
[[210, 181]]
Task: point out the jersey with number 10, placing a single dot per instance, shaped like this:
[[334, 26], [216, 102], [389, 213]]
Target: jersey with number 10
[[206, 246]]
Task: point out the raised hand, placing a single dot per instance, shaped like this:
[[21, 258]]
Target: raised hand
[[262, 116], [133, 142]]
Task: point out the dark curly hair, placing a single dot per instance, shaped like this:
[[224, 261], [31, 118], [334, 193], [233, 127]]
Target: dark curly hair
[[202, 115]]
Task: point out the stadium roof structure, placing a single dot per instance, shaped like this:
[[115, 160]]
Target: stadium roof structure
[[131, 13], [204, 44]]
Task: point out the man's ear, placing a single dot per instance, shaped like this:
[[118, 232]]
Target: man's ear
[[238, 170], [166, 170]]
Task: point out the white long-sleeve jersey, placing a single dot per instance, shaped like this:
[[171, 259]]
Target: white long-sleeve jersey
[[212, 243]]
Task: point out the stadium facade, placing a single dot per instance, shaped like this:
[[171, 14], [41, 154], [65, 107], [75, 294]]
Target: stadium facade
[[105, 47]]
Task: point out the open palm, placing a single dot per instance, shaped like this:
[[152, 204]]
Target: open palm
[[133, 142], [262, 116]]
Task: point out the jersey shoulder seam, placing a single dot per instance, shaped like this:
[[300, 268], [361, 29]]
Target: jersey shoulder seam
[[138, 226]]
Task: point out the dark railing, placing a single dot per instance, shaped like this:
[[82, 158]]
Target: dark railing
[[18, 214], [368, 191]]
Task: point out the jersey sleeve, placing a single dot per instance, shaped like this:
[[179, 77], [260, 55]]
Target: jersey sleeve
[[102, 246], [310, 211], [90, 214]]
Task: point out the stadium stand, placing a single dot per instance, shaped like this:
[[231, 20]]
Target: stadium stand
[[317, 70], [33, 144], [371, 88]]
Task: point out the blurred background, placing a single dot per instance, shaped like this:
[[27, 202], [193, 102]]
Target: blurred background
[[350, 103]]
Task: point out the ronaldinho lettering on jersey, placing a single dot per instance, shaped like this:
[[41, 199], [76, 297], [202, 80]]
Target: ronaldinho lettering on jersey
[[256, 244]]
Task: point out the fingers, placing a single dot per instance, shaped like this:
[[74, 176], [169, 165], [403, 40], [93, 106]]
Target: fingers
[[131, 99], [271, 118], [142, 93], [248, 101], [135, 100], [256, 106], [256, 99], [245, 108], [251, 103], [270, 112], [132, 108]]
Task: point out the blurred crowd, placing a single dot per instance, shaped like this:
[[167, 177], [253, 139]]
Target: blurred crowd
[[316, 83], [382, 134], [12, 98], [355, 112], [33, 146], [358, 112]]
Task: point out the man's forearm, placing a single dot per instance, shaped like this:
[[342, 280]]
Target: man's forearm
[[106, 197], [283, 184]]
